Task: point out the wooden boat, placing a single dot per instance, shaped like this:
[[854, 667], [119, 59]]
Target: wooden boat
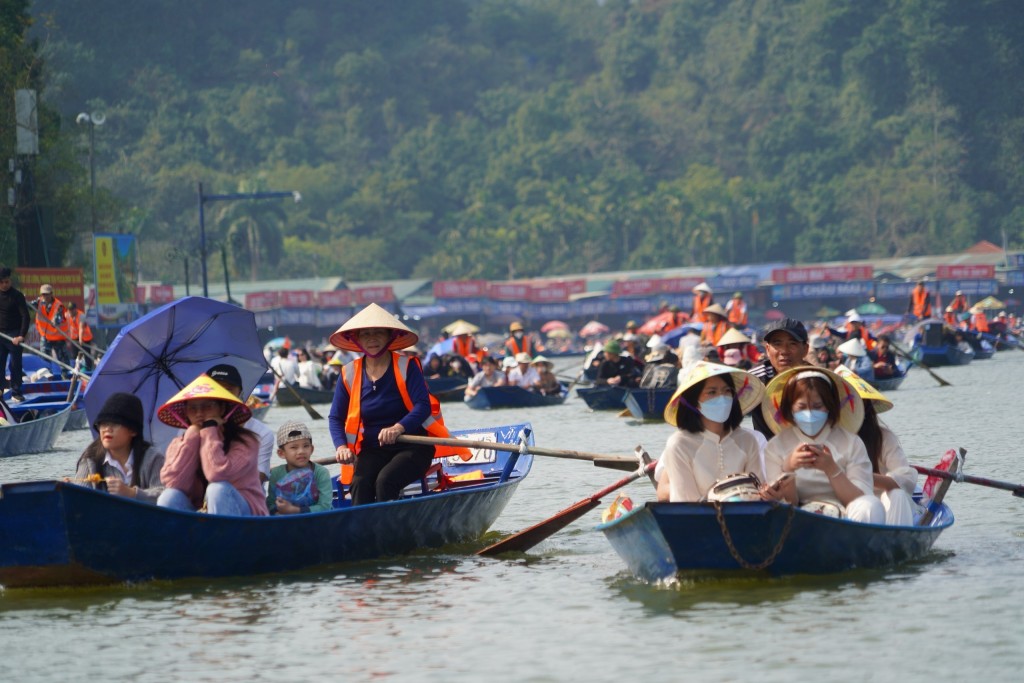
[[602, 397], [59, 533], [652, 402], [660, 540], [447, 389], [893, 382], [489, 398], [33, 436], [946, 354], [47, 397], [286, 398]]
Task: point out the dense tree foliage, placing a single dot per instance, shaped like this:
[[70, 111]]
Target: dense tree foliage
[[514, 138]]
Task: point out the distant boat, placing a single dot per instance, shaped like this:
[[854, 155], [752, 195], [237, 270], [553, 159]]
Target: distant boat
[[33, 436], [489, 398]]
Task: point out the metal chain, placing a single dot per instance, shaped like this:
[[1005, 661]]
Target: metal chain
[[736, 554]]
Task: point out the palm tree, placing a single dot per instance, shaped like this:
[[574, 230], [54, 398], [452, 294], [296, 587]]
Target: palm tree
[[254, 229]]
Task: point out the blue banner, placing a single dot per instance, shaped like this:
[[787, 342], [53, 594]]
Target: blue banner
[[971, 288], [823, 290], [894, 290]]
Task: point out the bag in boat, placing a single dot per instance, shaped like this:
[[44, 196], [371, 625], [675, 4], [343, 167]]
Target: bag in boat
[[735, 488], [824, 507], [297, 488], [620, 506]]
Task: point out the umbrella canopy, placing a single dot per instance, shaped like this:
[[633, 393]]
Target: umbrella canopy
[[159, 354], [990, 303], [559, 334], [871, 308], [658, 324], [468, 327], [826, 312], [554, 325], [594, 329]]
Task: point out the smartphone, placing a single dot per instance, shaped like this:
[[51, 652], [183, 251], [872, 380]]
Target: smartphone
[[780, 480]]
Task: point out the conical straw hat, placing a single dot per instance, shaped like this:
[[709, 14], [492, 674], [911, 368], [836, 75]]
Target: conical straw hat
[[733, 336], [370, 317], [173, 412], [460, 327], [749, 389], [866, 391], [851, 405]]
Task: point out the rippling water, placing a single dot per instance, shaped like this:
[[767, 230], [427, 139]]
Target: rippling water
[[568, 610]]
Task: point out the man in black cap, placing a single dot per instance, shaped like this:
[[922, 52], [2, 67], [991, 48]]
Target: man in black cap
[[785, 346], [14, 320], [228, 377]]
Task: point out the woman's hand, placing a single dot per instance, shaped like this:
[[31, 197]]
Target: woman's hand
[[344, 455], [784, 490], [389, 435], [119, 488], [803, 455], [823, 459]]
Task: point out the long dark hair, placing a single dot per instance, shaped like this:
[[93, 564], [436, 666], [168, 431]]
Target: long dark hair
[[870, 433], [688, 417], [97, 453]]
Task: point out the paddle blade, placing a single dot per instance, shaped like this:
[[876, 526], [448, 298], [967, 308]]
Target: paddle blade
[[632, 406], [531, 536]]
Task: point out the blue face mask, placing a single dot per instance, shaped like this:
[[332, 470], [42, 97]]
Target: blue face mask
[[810, 422], [716, 409]]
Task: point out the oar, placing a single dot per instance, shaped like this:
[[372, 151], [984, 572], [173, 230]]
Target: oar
[[515, 448], [527, 538], [1016, 489], [62, 333], [305, 404], [942, 382], [42, 354]]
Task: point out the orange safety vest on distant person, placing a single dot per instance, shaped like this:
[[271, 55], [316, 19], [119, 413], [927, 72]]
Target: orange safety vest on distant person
[[865, 336], [46, 315], [701, 300], [710, 334], [959, 304], [76, 324], [950, 318], [465, 347], [920, 298], [514, 347], [434, 424], [737, 313], [980, 321]]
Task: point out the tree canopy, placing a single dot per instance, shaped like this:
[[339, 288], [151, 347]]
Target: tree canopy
[[516, 138]]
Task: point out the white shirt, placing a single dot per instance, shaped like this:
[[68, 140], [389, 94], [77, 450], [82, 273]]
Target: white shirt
[[694, 462], [126, 471], [309, 375], [893, 462], [523, 379], [286, 367], [267, 442], [847, 450]]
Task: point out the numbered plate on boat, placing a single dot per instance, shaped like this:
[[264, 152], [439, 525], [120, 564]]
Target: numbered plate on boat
[[481, 456]]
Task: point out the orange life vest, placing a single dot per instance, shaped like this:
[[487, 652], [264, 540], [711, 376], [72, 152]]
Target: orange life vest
[[710, 334], [919, 297], [980, 321], [959, 304], [737, 313], [950, 318], [514, 347], [865, 336], [701, 300], [76, 325], [434, 424], [46, 315], [464, 346]]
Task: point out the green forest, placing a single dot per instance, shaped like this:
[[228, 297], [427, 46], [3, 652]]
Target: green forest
[[517, 138]]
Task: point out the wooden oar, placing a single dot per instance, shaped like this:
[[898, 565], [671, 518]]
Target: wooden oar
[[1016, 489], [527, 538], [942, 382], [64, 334], [305, 404], [515, 448], [42, 354]]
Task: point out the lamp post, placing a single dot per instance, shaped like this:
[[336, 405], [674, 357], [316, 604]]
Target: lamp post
[[94, 119], [203, 198]]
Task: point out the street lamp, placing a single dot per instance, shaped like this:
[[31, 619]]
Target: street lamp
[[94, 119], [203, 198]]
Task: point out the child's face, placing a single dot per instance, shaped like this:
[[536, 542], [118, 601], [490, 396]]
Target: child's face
[[296, 453], [199, 410]]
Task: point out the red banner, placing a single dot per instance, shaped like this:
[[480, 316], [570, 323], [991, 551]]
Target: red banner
[[460, 289], [509, 291], [822, 274], [335, 298], [676, 285], [161, 294], [260, 301], [641, 287], [67, 283], [549, 292], [965, 272], [370, 295], [297, 299]]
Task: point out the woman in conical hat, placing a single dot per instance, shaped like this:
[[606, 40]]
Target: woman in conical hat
[[380, 396], [214, 464], [815, 415], [894, 479], [709, 445]]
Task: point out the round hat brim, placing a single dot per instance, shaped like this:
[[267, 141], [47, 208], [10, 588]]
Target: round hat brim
[[749, 389], [373, 316], [851, 405]]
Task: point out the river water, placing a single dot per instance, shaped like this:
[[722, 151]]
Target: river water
[[568, 610]]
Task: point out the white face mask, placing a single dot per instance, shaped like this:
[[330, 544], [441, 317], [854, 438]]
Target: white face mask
[[810, 422], [716, 409]]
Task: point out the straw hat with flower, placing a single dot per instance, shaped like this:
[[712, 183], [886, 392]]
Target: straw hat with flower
[[866, 391], [373, 316], [851, 406], [203, 387], [749, 389]]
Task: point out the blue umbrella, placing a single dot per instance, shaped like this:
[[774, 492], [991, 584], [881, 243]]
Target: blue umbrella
[[155, 356]]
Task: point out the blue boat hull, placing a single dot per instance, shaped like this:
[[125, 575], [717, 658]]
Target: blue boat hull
[[33, 436], [56, 533], [652, 402], [489, 398], [659, 540], [602, 398], [936, 356]]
